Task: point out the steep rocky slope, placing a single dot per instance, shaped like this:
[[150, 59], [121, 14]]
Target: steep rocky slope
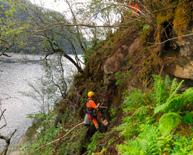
[[160, 44]]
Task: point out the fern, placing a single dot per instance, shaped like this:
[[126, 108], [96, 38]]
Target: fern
[[168, 122], [172, 98], [143, 135], [176, 102], [148, 139], [130, 148], [160, 90], [188, 96], [141, 112], [144, 144], [182, 146], [135, 99], [174, 86]]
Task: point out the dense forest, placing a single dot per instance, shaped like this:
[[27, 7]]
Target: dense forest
[[138, 62]]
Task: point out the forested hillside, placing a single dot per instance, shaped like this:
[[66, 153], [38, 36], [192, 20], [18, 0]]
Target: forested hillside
[[141, 74], [20, 29]]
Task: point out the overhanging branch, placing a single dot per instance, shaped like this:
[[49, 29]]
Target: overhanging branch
[[170, 39]]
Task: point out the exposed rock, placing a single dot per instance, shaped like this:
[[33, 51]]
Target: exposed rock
[[113, 63], [183, 71], [135, 45], [186, 46]]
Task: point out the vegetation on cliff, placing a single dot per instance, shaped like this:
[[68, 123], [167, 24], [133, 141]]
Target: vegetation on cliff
[[149, 112], [157, 121], [143, 119]]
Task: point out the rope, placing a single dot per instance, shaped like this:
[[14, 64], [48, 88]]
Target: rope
[[56, 140]]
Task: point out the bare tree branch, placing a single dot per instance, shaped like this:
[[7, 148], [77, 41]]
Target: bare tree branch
[[2, 113], [4, 54], [77, 28], [49, 27], [7, 140], [170, 39], [2, 116]]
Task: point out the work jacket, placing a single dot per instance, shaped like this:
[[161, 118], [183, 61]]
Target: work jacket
[[91, 107]]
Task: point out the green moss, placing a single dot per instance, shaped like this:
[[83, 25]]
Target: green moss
[[182, 17], [161, 18], [144, 35]]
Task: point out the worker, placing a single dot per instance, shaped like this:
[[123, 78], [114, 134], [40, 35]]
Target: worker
[[91, 115]]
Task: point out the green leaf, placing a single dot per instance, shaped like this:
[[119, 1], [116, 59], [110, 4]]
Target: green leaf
[[168, 122]]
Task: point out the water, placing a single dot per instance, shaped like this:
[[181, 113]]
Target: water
[[15, 74], [14, 77]]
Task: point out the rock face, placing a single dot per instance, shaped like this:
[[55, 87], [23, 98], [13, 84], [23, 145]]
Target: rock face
[[186, 46], [183, 67], [135, 45], [183, 71], [113, 63]]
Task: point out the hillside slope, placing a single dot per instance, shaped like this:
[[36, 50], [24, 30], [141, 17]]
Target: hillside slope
[[148, 114]]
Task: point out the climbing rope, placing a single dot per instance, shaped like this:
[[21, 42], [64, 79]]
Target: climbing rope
[[56, 140]]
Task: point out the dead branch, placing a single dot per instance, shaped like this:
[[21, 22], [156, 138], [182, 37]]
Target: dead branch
[[79, 25], [7, 140], [170, 39], [4, 54], [2, 116], [59, 50], [2, 113], [77, 28]]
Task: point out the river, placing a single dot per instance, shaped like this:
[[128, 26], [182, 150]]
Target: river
[[15, 74]]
